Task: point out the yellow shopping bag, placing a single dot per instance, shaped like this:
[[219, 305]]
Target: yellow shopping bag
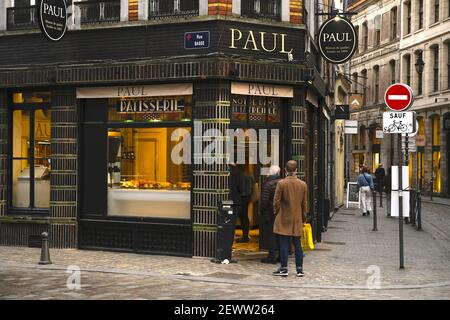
[[307, 239]]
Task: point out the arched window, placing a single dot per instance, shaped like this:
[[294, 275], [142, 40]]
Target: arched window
[[434, 50], [392, 71], [394, 25], [406, 69], [407, 17], [376, 84]]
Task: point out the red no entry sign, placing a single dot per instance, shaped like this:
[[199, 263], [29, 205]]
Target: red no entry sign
[[399, 97]]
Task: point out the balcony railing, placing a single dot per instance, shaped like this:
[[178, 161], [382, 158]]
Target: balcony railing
[[170, 9], [98, 11], [261, 9], [21, 18]]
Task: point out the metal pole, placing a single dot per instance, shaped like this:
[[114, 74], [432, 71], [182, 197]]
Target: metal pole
[[400, 200], [381, 193], [375, 210], [407, 163]]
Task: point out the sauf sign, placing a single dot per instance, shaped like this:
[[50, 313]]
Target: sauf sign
[[337, 40], [52, 17]]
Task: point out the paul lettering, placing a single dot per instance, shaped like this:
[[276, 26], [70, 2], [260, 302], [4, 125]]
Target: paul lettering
[[336, 37], [54, 11]]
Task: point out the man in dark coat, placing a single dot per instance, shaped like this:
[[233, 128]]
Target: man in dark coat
[[380, 175], [267, 213]]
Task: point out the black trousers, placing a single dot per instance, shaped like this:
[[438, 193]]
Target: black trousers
[[243, 216], [272, 238]]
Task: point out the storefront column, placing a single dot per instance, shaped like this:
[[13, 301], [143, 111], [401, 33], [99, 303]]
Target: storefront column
[[63, 183], [297, 120], [3, 150], [212, 108]]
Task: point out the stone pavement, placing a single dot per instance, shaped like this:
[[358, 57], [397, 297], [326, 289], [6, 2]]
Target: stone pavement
[[348, 260]]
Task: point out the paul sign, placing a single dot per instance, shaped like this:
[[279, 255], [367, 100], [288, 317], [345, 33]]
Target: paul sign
[[52, 18], [337, 40]]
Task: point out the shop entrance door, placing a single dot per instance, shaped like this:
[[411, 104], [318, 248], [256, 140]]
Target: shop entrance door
[[258, 171]]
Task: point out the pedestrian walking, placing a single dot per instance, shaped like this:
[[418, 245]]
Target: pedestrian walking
[[365, 184], [268, 214], [380, 175], [289, 204], [388, 190]]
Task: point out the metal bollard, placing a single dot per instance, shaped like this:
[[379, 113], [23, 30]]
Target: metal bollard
[[419, 212], [381, 194], [375, 211], [45, 252]]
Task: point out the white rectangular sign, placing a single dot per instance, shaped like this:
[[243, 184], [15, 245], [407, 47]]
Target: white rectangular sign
[[412, 147], [395, 194], [399, 122], [157, 90], [379, 134], [262, 89], [353, 194], [351, 127]]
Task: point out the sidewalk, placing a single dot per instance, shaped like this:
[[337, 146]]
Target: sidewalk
[[340, 262]]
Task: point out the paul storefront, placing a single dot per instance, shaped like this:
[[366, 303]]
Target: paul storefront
[[104, 135]]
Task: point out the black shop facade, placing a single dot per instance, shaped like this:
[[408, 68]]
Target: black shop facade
[[120, 148]]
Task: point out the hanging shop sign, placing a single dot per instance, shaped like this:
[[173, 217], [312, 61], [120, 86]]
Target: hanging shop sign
[[157, 105], [52, 17], [181, 89], [379, 134], [356, 101], [342, 112], [196, 40], [337, 40], [351, 127], [261, 89]]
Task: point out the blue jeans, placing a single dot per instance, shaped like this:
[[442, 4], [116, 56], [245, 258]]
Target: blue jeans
[[285, 242]]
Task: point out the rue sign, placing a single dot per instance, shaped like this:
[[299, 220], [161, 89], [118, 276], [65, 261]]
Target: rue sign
[[52, 18], [398, 97], [399, 122], [337, 40], [196, 40]]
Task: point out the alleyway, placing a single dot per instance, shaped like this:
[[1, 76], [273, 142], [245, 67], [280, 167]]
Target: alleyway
[[338, 269]]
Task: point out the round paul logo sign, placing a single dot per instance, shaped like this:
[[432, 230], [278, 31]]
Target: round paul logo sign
[[337, 40], [52, 17]]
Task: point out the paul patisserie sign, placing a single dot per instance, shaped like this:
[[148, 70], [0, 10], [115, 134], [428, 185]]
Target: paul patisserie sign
[[52, 16]]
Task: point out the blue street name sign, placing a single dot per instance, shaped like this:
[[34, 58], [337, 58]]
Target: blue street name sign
[[196, 40]]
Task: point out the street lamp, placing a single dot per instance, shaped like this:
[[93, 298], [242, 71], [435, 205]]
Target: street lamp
[[420, 65]]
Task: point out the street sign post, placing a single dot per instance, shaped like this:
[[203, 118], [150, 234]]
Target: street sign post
[[399, 98]]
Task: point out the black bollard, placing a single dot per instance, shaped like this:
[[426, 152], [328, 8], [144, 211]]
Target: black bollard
[[375, 211], [419, 212], [45, 252], [381, 194]]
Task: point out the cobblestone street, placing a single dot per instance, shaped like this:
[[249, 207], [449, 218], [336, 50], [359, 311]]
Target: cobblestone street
[[337, 269]]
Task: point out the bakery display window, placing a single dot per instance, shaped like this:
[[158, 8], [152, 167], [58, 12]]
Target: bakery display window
[[147, 172]]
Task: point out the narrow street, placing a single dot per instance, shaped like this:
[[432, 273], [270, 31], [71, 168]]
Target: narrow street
[[344, 266]]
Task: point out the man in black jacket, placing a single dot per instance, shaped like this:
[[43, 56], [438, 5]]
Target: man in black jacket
[[267, 213]]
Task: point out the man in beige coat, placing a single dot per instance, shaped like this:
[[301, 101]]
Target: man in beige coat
[[290, 206]]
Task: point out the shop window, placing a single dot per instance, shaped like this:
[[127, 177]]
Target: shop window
[[436, 161], [30, 167], [255, 110], [146, 174], [420, 140]]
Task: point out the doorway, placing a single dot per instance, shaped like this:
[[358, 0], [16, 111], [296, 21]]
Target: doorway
[[256, 170]]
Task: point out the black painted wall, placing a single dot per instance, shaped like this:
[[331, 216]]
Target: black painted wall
[[145, 42]]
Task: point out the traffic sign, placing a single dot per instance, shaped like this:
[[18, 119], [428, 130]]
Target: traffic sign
[[399, 122], [399, 97]]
